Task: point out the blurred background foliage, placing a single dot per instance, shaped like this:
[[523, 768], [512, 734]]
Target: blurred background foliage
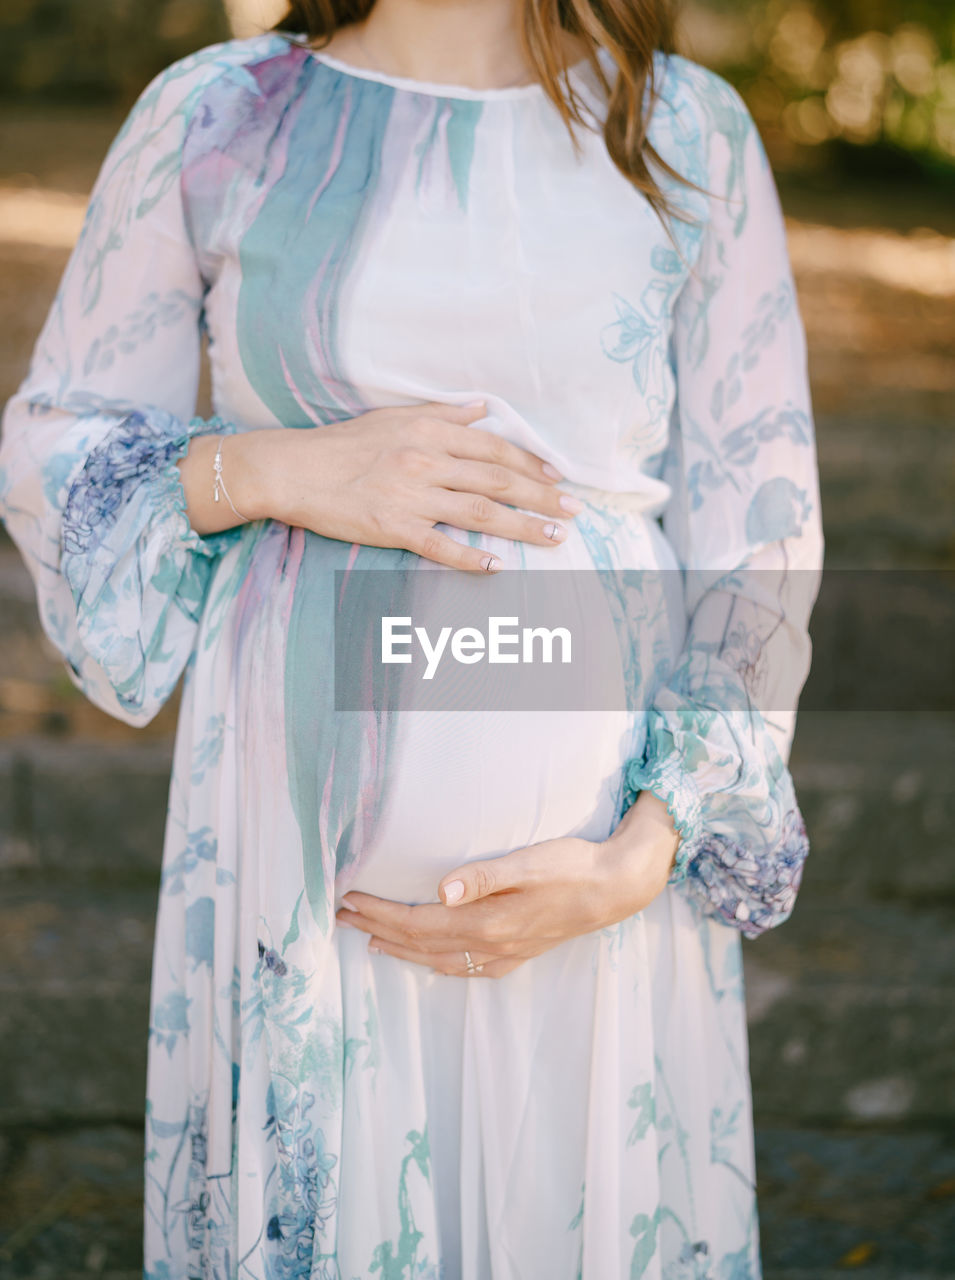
[[860, 84], [97, 51], [863, 83]]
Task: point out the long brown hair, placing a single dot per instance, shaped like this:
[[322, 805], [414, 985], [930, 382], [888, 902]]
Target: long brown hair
[[630, 30]]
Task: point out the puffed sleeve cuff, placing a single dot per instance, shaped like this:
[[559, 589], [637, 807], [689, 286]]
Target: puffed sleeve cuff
[[139, 454], [749, 891], [137, 569], [740, 856]]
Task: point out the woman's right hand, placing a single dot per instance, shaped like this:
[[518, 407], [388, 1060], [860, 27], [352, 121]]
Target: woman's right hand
[[387, 477]]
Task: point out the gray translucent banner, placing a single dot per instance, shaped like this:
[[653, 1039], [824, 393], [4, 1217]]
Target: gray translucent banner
[[433, 639]]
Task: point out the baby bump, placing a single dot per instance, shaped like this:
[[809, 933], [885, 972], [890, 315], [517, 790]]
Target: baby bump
[[469, 784], [464, 785], [388, 800]]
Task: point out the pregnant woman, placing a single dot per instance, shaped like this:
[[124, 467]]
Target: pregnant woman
[[488, 288]]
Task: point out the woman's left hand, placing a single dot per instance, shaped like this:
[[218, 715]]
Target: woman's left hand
[[506, 910]]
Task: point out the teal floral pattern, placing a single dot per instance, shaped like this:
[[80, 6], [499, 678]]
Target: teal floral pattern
[[346, 241]]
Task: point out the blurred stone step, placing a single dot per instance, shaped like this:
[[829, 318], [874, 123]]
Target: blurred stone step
[[81, 808], [55, 937], [853, 1052], [882, 641], [833, 1202], [884, 505], [825, 942], [54, 1271], [840, 1273], [879, 848], [874, 751], [80, 1055], [71, 1204]]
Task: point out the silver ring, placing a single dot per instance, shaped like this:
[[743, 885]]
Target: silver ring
[[472, 967]]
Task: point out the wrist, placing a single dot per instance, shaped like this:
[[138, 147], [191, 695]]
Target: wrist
[[256, 465], [636, 860]]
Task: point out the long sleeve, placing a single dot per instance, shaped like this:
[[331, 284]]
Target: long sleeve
[[89, 488], [744, 519]]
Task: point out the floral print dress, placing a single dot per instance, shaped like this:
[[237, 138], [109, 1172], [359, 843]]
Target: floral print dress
[[348, 240]]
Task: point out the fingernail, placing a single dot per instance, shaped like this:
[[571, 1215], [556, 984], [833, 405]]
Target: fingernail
[[454, 891], [375, 951], [344, 924], [556, 532], [572, 505], [349, 906], [474, 404], [490, 564], [548, 470]]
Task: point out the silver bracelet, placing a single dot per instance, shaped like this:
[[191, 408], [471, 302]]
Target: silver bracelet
[[220, 483]]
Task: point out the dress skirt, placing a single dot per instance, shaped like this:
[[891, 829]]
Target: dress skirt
[[587, 1115]]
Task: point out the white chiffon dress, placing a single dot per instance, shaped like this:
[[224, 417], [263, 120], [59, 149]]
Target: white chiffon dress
[[349, 240]]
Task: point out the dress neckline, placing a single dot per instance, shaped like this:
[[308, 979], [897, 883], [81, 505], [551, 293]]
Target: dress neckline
[[410, 85]]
